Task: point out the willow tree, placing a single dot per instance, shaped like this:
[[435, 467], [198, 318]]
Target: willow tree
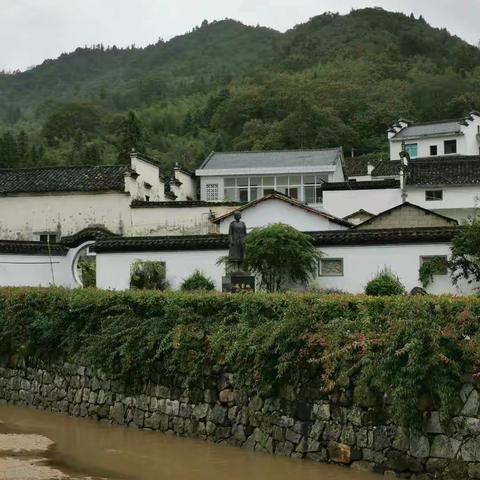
[[281, 256]]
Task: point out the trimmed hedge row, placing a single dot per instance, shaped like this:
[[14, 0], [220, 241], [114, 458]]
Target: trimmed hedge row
[[407, 347]]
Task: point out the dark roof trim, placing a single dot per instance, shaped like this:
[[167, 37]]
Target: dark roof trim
[[182, 204], [21, 247], [86, 235], [364, 185], [329, 237], [403, 205], [286, 199]]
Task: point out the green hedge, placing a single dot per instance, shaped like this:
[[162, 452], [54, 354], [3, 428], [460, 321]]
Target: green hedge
[[407, 347]]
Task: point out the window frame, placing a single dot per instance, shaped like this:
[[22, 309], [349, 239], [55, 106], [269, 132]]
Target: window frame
[[208, 190], [332, 259], [426, 258], [427, 192], [52, 237], [450, 142], [433, 148], [407, 145]]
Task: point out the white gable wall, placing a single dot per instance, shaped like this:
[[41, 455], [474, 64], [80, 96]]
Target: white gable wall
[[278, 211], [344, 202]]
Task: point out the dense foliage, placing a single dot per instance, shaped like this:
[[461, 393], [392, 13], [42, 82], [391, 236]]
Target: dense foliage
[[197, 281], [430, 268], [385, 283], [148, 275], [335, 80], [410, 348], [280, 256], [465, 258]]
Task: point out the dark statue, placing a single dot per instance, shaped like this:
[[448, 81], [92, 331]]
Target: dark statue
[[237, 234]]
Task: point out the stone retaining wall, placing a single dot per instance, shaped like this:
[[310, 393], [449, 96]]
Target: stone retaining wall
[[334, 429]]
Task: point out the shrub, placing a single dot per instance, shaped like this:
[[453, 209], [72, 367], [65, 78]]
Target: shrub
[[409, 348], [429, 268], [197, 281], [281, 256], [148, 275], [88, 272], [385, 283]]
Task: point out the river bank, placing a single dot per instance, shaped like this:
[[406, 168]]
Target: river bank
[[84, 449]]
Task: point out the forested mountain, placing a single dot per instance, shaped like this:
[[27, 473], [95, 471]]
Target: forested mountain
[[335, 80]]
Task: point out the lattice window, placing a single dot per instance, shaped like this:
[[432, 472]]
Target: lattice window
[[331, 267], [212, 192]]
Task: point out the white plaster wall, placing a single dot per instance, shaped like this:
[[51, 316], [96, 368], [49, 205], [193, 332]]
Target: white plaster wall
[[277, 211], [188, 189], [361, 263], [113, 269], [35, 271], [455, 199], [24, 215], [208, 180], [423, 146], [344, 202], [175, 221], [147, 173]]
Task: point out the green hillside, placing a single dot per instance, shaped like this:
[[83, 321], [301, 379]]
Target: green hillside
[[335, 80]]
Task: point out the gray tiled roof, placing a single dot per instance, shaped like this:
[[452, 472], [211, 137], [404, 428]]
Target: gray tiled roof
[[331, 237], [271, 159], [63, 179], [456, 170], [415, 130], [387, 168], [32, 248]]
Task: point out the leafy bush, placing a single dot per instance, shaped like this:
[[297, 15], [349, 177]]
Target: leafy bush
[[88, 271], [465, 260], [281, 256], [148, 275], [385, 283], [430, 268], [197, 281], [406, 347]]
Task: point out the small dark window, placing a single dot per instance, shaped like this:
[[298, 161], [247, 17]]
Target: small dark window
[[450, 146], [44, 237], [433, 195], [433, 150], [147, 198], [48, 237]]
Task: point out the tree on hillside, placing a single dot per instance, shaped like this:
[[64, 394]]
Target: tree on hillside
[[131, 136], [465, 259], [281, 256]]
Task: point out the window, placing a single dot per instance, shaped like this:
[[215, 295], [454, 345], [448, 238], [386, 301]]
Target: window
[[450, 146], [412, 149], [212, 192], [441, 263], [434, 195], [433, 150], [306, 188], [147, 198], [331, 267], [47, 237]]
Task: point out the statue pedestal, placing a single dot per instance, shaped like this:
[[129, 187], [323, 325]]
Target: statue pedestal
[[238, 282]]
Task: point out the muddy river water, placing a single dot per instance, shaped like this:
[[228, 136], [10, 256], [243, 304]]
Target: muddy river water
[[86, 449]]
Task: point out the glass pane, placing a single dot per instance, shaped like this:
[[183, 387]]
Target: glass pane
[[293, 192], [297, 180], [309, 194], [282, 181], [255, 193], [243, 194], [229, 182], [318, 195], [282, 190], [229, 194], [268, 181], [255, 181], [309, 179], [242, 181], [411, 149]]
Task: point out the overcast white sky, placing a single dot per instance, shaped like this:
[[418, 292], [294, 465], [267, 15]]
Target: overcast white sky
[[34, 30]]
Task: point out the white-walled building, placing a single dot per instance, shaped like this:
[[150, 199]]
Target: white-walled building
[[248, 176], [432, 139]]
